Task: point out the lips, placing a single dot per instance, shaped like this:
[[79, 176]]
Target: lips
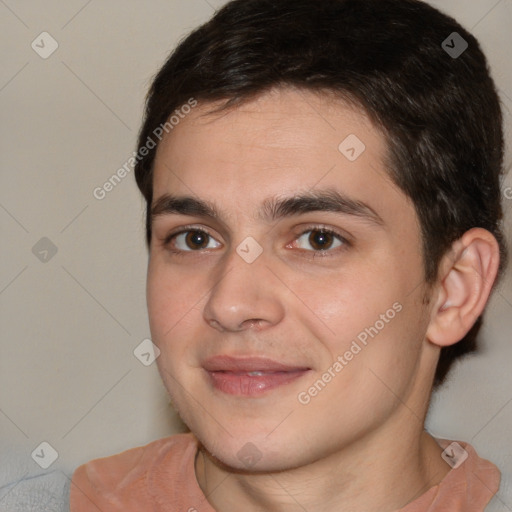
[[250, 376]]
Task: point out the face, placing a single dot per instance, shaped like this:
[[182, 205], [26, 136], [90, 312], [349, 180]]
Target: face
[[285, 280]]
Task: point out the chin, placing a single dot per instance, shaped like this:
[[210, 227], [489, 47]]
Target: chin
[[255, 452]]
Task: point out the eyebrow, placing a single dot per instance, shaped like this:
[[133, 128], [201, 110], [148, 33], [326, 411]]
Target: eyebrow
[[273, 208]]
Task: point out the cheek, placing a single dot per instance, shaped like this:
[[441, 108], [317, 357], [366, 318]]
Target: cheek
[[375, 361], [174, 302], [343, 305], [391, 347], [370, 318], [173, 315], [169, 292]]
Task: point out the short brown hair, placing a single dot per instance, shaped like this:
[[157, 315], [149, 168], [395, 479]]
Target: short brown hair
[[440, 113]]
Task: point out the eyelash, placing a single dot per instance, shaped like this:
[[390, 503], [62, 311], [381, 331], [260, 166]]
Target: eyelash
[[312, 254]]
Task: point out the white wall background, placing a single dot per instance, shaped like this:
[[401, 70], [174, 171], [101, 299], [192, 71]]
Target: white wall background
[[68, 375]]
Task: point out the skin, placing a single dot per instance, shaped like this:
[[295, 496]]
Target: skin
[[304, 307]]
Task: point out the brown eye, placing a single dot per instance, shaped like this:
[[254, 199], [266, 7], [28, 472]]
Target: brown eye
[[196, 239], [320, 240], [193, 240]]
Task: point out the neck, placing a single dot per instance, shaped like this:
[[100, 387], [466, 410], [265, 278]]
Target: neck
[[357, 477]]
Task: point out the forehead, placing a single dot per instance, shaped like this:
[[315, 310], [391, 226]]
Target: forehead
[[282, 142]]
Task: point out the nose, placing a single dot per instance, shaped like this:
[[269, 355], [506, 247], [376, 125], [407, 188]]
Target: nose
[[246, 295]]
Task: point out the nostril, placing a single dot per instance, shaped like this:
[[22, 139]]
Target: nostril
[[216, 325], [253, 323]]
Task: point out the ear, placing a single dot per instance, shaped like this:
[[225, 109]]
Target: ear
[[466, 276]]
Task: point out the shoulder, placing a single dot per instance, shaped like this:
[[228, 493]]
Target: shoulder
[[25, 487], [460, 454], [472, 482], [38, 493], [127, 474], [133, 463]]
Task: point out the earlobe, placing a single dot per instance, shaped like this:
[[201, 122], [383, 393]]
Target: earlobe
[[467, 275]]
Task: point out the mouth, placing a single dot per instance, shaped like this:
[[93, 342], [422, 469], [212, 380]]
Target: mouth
[[250, 376]]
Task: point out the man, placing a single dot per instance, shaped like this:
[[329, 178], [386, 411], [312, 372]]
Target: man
[[323, 224]]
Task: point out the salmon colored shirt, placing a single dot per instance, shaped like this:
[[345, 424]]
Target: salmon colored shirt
[[160, 477]]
